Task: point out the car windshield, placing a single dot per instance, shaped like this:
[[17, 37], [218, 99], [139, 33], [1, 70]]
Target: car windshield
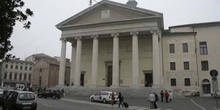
[[26, 96]]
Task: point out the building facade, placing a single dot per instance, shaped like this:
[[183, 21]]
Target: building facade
[[121, 45], [16, 72], [46, 72]]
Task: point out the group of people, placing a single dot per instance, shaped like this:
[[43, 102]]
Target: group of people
[[153, 98], [168, 95]]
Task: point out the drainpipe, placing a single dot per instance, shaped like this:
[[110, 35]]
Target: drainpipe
[[197, 71]]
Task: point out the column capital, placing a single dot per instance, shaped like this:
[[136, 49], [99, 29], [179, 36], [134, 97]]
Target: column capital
[[154, 31], [95, 36], [134, 33], [63, 39], [73, 44], [115, 34], [78, 37]]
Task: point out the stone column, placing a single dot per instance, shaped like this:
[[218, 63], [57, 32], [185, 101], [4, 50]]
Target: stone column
[[73, 56], [62, 62], [95, 60], [78, 62], [115, 69], [135, 60], [156, 61]]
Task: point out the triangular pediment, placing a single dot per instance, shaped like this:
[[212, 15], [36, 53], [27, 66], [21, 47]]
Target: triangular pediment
[[107, 11]]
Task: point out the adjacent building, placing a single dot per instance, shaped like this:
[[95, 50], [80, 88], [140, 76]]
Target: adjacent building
[[16, 72], [46, 72]]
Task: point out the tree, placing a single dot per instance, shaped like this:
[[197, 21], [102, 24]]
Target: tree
[[10, 12]]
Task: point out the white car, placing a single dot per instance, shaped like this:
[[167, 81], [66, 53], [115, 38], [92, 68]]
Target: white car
[[214, 95], [103, 96]]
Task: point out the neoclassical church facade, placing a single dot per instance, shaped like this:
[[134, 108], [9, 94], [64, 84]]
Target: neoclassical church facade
[[121, 45]]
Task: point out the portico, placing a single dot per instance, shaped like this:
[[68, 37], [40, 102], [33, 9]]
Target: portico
[[131, 44]]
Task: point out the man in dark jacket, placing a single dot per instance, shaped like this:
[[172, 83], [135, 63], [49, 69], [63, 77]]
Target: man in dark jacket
[[121, 100], [156, 99]]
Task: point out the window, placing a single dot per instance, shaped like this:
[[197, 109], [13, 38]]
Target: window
[[6, 66], [187, 81], [173, 82], [186, 65], [29, 77], [185, 47], [172, 66], [11, 66], [172, 48], [5, 75], [30, 68], [203, 48], [20, 76], [15, 76], [205, 65], [25, 76], [25, 68], [21, 67], [16, 67], [10, 76]]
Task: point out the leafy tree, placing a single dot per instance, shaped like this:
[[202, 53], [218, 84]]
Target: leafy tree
[[10, 12]]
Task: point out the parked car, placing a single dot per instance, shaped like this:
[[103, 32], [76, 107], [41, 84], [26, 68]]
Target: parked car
[[20, 100], [215, 94], [4, 95], [50, 93], [103, 96]]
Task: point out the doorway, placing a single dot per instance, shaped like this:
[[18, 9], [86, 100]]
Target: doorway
[[82, 76], [109, 76], [148, 79], [206, 86]]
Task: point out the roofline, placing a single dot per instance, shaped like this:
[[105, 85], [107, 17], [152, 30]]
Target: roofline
[[59, 25], [204, 24], [168, 33]]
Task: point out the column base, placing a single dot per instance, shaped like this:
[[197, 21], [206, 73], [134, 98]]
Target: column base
[[114, 86], [77, 85], [156, 86], [93, 86], [135, 86]]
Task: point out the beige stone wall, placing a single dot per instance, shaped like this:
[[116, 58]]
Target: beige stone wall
[[179, 57], [212, 36], [125, 57]]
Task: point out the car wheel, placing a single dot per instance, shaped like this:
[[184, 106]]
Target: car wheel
[[92, 99], [104, 101]]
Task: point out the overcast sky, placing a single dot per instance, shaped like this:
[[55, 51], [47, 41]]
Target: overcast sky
[[43, 37]]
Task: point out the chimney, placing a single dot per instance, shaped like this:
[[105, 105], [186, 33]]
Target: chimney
[[132, 3]]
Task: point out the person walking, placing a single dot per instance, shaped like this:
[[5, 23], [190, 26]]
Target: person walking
[[121, 100], [166, 96], [170, 96], [113, 98], [156, 99], [62, 92], [151, 99], [161, 95]]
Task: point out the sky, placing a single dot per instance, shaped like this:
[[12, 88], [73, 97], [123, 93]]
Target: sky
[[44, 37]]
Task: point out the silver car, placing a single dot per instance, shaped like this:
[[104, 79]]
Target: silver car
[[103, 96]]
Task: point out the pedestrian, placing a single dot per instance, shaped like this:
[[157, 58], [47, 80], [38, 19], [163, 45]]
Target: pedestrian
[[113, 98], [121, 100], [161, 95], [62, 92], [151, 99], [156, 99], [166, 96], [170, 96]]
